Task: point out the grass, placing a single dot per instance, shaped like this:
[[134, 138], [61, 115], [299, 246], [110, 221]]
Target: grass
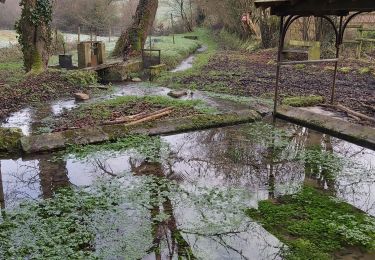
[[303, 101], [314, 225], [97, 113], [233, 42], [174, 80], [173, 54]]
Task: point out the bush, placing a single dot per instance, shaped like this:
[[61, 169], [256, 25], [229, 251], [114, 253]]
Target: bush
[[80, 77], [233, 42]]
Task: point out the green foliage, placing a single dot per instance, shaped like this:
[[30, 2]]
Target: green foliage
[[149, 147], [365, 70], [344, 70], [311, 223], [173, 54], [48, 223], [300, 66], [80, 77], [232, 42], [206, 38], [303, 101], [328, 163]]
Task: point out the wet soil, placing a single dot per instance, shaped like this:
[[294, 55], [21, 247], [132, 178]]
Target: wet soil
[[253, 74], [42, 88]]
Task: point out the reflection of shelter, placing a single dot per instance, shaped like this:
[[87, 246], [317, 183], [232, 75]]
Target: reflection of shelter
[[291, 10]]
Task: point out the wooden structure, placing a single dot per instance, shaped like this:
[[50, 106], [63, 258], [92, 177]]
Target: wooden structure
[[90, 54], [291, 10]]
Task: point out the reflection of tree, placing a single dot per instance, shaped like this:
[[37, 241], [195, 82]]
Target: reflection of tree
[[176, 243], [314, 169], [53, 175], [240, 159]]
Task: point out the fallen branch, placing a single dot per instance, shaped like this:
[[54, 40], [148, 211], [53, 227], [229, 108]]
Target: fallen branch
[[362, 103], [354, 113], [142, 117]]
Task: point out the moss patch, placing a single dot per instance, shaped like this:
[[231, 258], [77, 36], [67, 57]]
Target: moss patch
[[314, 225], [303, 101], [10, 139]]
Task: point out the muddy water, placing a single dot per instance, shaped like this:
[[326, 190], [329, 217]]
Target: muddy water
[[209, 177]]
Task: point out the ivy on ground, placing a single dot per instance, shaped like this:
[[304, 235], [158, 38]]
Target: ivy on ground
[[314, 225]]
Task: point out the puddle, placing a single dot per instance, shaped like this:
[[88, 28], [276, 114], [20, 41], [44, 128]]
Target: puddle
[[203, 180], [21, 119]]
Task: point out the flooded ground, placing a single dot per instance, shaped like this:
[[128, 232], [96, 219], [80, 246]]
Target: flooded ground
[[184, 195], [37, 119]]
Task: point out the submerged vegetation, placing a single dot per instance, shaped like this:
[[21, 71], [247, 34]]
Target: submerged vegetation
[[149, 147], [314, 225]]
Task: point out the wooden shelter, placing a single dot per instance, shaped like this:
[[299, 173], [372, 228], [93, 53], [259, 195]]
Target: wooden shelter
[[291, 10]]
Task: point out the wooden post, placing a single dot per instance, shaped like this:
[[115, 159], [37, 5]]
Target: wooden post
[[79, 34], [56, 41], [280, 49], [338, 44], [91, 37], [110, 34], [172, 29]]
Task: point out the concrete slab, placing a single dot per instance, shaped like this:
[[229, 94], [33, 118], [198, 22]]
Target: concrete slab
[[362, 135]]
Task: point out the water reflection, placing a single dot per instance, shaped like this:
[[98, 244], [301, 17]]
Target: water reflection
[[189, 201]]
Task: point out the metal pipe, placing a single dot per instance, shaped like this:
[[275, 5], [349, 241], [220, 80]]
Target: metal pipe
[[281, 47]]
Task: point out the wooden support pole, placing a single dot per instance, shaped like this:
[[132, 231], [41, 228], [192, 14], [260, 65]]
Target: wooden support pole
[[338, 44], [79, 34], [172, 29], [281, 46]]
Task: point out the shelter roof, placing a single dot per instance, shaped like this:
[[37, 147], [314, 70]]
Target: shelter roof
[[316, 7]]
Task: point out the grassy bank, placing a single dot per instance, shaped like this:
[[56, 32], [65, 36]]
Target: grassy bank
[[176, 80]]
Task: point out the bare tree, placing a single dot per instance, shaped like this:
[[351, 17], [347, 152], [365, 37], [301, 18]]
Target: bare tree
[[182, 9]]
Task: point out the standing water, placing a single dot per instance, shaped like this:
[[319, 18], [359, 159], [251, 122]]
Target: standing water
[[180, 196]]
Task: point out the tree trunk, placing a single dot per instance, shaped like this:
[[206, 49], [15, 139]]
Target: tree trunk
[[35, 34], [268, 29], [133, 39]]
